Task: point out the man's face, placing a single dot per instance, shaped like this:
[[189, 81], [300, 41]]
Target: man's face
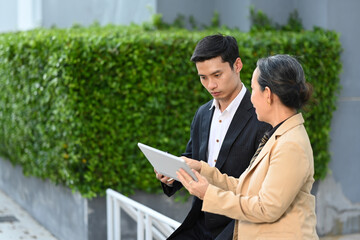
[[222, 82]]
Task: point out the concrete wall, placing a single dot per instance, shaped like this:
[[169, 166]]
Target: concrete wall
[[234, 13], [8, 15], [27, 14], [65, 13], [67, 215], [55, 207], [201, 10]]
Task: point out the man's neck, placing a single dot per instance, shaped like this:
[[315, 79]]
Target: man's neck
[[223, 104]]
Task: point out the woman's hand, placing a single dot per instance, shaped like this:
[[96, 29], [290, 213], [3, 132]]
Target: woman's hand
[[193, 164], [198, 188]]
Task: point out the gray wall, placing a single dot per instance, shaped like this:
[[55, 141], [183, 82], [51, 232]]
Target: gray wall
[[65, 13], [201, 10], [64, 214], [8, 15], [234, 13], [67, 215], [344, 17]]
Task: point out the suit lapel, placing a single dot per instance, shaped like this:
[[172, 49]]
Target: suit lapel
[[205, 132], [238, 122]]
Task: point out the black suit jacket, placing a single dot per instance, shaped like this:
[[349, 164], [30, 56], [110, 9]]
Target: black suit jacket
[[239, 145]]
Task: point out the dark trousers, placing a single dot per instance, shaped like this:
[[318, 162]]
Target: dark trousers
[[198, 232]]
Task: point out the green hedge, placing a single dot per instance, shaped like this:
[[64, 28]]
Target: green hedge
[[75, 102]]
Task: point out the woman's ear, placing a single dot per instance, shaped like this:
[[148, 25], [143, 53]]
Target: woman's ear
[[268, 95]]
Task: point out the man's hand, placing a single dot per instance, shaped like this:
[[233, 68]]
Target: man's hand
[[164, 179]]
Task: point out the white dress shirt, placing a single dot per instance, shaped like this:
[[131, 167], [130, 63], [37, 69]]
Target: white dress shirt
[[220, 124]]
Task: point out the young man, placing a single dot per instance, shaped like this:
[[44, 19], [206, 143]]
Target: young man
[[225, 131]]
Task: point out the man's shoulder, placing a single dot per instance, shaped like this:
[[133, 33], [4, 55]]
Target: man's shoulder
[[205, 107]]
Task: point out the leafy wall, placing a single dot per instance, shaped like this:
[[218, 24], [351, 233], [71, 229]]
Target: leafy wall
[[75, 102]]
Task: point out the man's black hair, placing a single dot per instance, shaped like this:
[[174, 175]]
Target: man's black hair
[[216, 45]]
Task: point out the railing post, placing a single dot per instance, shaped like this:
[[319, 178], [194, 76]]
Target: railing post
[[150, 224], [140, 225], [109, 213], [117, 222], [148, 227]]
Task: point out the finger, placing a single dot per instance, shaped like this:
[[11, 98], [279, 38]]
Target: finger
[[159, 176], [187, 160], [170, 181], [181, 174], [185, 175], [165, 179], [197, 174], [181, 178]]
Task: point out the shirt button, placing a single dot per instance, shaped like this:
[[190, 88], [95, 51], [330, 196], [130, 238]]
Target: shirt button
[[215, 160], [217, 140], [220, 121]]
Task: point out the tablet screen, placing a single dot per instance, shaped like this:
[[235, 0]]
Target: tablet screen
[[165, 163]]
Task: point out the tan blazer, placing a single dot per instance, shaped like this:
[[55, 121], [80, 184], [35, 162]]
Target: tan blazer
[[271, 199]]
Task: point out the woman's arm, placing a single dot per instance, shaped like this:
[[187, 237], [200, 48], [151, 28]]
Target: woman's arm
[[289, 167], [211, 175]]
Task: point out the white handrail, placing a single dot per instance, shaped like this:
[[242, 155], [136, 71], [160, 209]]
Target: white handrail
[[150, 224]]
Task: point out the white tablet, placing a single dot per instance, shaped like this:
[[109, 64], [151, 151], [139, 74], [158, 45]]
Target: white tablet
[[165, 163]]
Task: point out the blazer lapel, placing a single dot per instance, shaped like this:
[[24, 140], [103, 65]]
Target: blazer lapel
[[288, 124], [238, 123], [205, 132], [263, 152]]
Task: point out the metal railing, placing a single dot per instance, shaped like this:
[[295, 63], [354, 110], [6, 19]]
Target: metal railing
[[150, 224]]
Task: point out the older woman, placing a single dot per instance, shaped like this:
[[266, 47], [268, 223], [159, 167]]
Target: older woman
[[271, 199]]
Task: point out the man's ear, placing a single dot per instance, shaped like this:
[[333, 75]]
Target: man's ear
[[238, 65]]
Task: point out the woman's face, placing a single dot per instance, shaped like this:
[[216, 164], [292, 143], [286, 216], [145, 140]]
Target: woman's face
[[259, 98]]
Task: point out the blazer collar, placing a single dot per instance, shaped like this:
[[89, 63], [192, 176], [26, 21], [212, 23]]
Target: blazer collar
[[205, 132], [290, 123]]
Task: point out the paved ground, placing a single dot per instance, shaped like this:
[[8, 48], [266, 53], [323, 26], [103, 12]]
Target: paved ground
[[345, 237], [16, 224]]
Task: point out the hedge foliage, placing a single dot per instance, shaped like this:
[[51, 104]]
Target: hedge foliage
[[75, 102]]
